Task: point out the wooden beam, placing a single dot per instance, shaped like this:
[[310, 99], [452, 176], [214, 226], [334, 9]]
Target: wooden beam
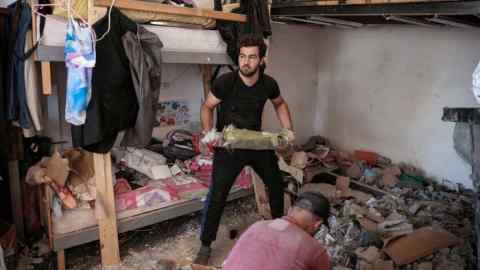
[[61, 259], [206, 71], [108, 233], [261, 196], [46, 79], [172, 10], [16, 198]]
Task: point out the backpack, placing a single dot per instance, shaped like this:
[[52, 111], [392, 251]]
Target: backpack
[[180, 144]]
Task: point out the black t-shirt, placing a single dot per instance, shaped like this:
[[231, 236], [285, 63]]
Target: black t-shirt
[[242, 105]]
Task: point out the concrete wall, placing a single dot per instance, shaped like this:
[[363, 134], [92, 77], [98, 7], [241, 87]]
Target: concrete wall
[[383, 89], [292, 63]]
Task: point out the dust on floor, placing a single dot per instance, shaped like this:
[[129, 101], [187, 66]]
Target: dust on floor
[[176, 239]]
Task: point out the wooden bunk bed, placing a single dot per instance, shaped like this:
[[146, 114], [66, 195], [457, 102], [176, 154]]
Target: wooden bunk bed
[[108, 228]]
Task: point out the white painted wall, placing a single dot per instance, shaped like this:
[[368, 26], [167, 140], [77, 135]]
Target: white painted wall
[[383, 89], [293, 64]]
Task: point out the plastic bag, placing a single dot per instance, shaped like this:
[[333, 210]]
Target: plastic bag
[[476, 83], [79, 59]]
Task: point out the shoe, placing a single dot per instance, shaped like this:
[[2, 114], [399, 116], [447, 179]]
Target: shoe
[[203, 255]]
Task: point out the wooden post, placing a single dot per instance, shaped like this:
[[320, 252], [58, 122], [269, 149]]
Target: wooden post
[[46, 78], [108, 233], [206, 71], [16, 197], [61, 259]]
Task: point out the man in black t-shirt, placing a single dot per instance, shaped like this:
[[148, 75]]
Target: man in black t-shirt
[[239, 98]]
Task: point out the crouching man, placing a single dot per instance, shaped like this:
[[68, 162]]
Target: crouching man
[[286, 243]]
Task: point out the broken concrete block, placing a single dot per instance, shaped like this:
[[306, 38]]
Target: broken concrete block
[[370, 254], [420, 243]]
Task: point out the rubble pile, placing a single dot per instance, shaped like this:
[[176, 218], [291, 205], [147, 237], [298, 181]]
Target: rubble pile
[[384, 215]]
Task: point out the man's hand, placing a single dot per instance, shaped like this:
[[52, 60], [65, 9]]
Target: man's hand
[[286, 138], [209, 139]]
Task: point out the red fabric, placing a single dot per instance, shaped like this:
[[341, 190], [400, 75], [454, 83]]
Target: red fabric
[[277, 245]]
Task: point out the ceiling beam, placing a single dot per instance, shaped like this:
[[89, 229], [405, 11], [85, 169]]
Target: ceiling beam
[[312, 8], [336, 21], [410, 20]]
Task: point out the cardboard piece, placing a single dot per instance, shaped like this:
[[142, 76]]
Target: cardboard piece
[[422, 242], [56, 168]]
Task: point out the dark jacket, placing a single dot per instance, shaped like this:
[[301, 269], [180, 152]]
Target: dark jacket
[[113, 106], [258, 22], [143, 50]]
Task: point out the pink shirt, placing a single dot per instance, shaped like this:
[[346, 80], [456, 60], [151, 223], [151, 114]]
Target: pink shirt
[[277, 245]]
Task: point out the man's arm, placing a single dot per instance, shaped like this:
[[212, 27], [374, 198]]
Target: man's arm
[[206, 112], [283, 113]]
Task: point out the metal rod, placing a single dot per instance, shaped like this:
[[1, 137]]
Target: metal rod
[[449, 22], [336, 21], [409, 20]]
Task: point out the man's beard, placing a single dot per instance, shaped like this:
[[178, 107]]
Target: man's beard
[[250, 73]]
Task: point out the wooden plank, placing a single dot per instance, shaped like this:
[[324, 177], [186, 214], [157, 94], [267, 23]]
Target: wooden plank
[[48, 209], [206, 71], [46, 79], [34, 28], [16, 198], [173, 10], [107, 225], [261, 197], [61, 259]]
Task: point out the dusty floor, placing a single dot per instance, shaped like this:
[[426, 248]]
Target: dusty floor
[[176, 239]]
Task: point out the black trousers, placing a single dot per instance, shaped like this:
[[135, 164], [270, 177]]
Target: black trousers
[[227, 165]]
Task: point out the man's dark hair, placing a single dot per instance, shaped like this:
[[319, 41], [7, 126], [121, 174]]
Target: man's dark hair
[[250, 40], [315, 203]]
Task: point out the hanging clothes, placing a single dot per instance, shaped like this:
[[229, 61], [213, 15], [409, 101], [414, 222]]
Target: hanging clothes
[[79, 59], [17, 108], [32, 90], [258, 23], [143, 50], [113, 106]]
